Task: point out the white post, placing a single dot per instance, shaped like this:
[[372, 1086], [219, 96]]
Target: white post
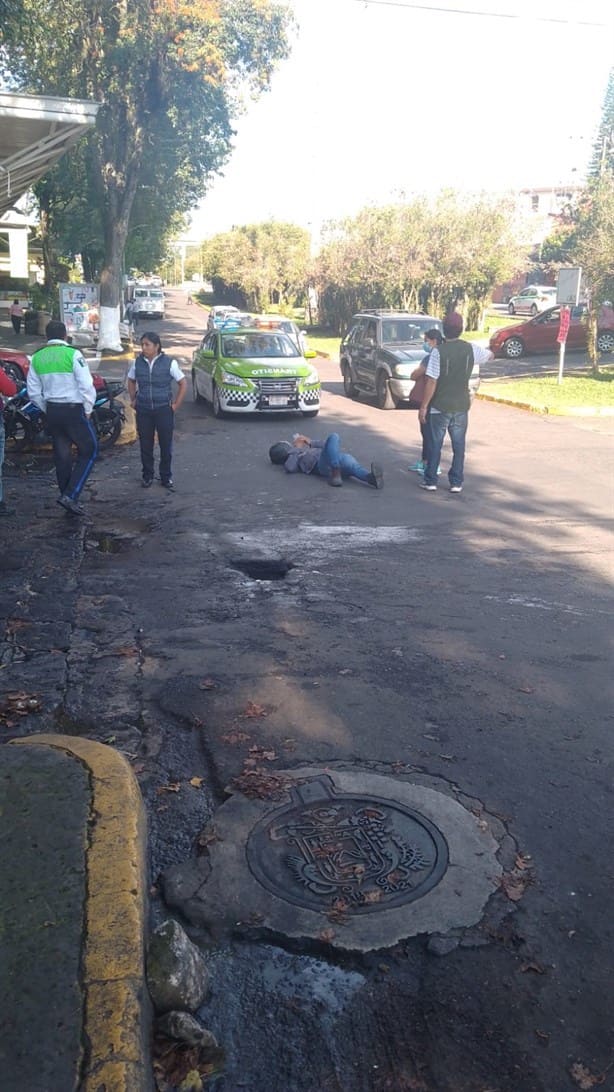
[[561, 361]]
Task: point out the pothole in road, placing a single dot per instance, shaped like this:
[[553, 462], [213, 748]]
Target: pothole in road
[[262, 568], [114, 540]]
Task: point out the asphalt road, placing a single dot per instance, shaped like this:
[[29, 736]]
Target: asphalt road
[[460, 641]]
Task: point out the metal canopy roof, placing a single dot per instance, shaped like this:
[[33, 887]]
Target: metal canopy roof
[[35, 131]]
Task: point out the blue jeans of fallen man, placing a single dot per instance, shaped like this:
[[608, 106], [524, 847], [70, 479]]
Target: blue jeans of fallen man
[[455, 424], [333, 457]]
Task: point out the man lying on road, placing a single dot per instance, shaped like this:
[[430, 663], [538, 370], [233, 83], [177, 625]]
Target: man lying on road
[[324, 458]]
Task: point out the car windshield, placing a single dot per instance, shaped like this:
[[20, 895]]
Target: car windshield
[[404, 331], [270, 344]]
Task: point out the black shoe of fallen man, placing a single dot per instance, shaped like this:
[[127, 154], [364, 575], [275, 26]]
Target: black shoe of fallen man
[[376, 477], [335, 477], [71, 506], [147, 482], [169, 485]]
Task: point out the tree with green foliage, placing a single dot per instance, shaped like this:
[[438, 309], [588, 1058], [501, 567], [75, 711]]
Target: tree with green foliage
[[168, 75], [422, 255], [262, 264], [603, 149]]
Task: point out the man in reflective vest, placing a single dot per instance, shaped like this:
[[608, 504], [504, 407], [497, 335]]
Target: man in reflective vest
[[60, 384]]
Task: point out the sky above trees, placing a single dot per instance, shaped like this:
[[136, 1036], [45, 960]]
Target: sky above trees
[[383, 100]]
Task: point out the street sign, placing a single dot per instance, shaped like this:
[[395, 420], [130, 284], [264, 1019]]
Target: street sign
[[564, 321], [568, 286]]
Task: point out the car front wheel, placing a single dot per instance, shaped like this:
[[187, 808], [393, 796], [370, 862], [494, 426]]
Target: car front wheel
[[217, 405], [513, 348], [349, 387], [385, 399], [533, 309], [605, 342], [511, 310], [195, 394]]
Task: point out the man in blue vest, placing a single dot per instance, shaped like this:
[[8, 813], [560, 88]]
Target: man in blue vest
[[150, 386], [446, 400], [60, 384]]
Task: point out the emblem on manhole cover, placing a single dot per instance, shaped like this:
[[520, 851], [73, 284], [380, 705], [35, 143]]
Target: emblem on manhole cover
[[326, 848]]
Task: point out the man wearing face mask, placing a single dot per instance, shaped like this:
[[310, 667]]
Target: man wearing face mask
[[446, 402], [432, 340]]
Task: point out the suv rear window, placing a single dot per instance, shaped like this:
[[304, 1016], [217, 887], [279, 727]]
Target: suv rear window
[[405, 331]]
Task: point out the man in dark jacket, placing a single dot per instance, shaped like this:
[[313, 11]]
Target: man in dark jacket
[[150, 386], [446, 401]]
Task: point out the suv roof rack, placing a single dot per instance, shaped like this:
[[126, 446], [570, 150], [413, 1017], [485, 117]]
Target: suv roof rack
[[384, 311]]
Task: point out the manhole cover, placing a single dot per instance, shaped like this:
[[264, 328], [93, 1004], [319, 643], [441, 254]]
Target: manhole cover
[[328, 848], [263, 568]]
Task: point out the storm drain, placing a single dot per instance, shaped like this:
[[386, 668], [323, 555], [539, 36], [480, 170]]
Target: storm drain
[[366, 852], [355, 859], [262, 568], [122, 535]]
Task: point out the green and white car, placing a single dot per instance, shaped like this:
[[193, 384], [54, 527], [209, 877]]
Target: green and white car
[[245, 370]]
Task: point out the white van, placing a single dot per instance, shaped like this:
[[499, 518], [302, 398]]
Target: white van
[[148, 302]]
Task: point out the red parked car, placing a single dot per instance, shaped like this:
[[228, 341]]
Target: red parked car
[[539, 334], [15, 364]]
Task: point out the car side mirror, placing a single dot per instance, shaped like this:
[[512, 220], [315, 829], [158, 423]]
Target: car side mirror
[[208, 353], [309, 354]]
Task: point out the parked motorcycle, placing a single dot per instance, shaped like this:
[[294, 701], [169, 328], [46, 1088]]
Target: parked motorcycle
[[25, 424]]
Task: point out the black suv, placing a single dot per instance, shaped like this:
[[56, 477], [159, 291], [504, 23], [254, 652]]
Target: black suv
[[379, 353]]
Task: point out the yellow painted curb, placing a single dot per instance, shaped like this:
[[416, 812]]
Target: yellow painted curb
[[115, 998]]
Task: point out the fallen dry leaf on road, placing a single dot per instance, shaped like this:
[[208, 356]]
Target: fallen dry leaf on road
[[526, 689], [533, 966], [523, 860], [173, 786], [196, 782], [235, 737], [261, 754], [327, 935], [207, 684], [261, 784], [584, 1079], [18, 703], [515, 884], [254, 710]]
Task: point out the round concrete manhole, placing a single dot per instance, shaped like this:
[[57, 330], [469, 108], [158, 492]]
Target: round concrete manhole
[[353, 858], [327, 848]]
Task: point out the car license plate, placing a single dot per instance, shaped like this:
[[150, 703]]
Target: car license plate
[[278, 400]]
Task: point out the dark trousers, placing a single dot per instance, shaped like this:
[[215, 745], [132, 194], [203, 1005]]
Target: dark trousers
[[148, 422], [16, 320], [68, 425]]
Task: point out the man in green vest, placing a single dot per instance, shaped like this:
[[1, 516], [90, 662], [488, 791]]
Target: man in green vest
[[446, 401], [61, 385]]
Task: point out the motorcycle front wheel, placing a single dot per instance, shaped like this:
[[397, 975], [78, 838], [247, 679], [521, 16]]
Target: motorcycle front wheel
[[108, 425], [18, 434]]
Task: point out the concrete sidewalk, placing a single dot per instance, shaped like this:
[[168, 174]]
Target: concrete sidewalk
[[73, 1003]]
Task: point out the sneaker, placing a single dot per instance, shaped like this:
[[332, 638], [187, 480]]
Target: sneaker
[[376, 477], [71, 505], [335, 477], [425, 485], [169, 485], [456, 488], [418, 466], [147, 482]]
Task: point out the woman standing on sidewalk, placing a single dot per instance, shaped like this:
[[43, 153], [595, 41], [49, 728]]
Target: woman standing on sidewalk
[[16, 313], [150, 386]]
